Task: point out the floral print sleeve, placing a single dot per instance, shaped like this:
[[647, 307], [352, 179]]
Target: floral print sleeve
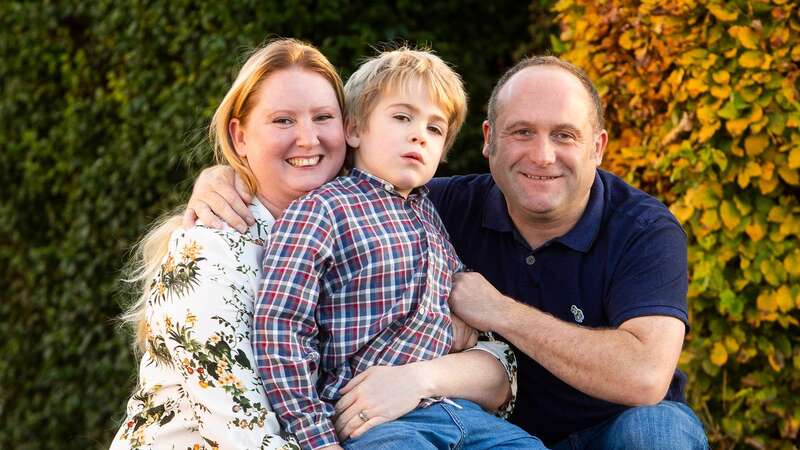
[[198, 387], [506, 357]]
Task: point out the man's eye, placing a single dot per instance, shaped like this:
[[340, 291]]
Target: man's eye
[[523, 132], [563, 136]]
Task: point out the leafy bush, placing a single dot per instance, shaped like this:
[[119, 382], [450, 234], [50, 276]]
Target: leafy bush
[[102, 105], [702, 102]]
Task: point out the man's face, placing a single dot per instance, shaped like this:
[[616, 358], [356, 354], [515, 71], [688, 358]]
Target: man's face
[[543, 151]]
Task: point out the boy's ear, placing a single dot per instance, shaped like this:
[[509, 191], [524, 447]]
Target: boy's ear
[[351, 134]]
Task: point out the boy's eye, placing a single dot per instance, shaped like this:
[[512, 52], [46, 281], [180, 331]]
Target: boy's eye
[[435, 130], [402, 117]]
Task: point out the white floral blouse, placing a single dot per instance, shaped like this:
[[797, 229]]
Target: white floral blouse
[[198, 388]]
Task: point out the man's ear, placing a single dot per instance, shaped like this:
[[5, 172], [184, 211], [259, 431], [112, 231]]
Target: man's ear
[[236, 133], [487, 137], [600, 143], [351, 134]]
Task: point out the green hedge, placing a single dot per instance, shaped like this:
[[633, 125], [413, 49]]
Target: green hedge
[[102, 115]]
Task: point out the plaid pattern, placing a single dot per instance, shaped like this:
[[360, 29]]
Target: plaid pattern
[[354, 276]]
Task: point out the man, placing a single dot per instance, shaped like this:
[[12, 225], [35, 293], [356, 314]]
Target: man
[[584, 275]]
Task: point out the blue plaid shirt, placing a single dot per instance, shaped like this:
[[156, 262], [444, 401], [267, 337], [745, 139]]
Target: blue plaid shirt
[[355, 275]]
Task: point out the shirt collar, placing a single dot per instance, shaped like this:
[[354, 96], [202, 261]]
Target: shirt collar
[[383, 184], [579, 238]]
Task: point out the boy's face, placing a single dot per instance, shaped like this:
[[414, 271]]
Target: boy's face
[[403, 140]]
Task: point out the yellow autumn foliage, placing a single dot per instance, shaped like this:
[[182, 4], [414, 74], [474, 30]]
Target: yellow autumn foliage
[[702, 103]]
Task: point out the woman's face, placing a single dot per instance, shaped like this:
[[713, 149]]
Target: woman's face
[[292, 138]]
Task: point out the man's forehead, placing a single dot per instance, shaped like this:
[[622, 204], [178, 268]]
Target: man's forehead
[[531, 85]]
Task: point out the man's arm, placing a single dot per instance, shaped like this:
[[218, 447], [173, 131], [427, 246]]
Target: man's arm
[[219, 195], [632, 364]]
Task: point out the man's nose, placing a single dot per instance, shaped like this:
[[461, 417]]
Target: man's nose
[[542, 151]]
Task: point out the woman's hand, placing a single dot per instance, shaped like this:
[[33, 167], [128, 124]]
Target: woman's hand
[[219, 193], [464, 336], [379, 394]]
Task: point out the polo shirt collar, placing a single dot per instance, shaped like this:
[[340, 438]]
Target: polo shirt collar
[[579, 238]]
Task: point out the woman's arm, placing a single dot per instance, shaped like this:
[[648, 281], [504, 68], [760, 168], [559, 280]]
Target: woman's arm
[[200, 318]]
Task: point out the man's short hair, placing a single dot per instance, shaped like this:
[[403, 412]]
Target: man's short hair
[[397, 69], [598, 121]]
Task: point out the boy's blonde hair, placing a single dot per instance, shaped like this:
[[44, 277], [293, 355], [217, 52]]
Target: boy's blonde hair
[[397, 69]]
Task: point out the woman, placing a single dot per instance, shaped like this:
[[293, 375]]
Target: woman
[[280, 128]]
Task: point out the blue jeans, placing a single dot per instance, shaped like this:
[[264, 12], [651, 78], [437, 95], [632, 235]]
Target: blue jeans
[[443, 426], [667, 425]]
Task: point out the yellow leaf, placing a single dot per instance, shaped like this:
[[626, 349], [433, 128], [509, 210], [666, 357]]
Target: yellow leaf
[[792, 263], [751, 169], [707, 113], [729, 214], [767, 185], [721, 77], [710, 219], [745, 35], [731, 345], [776, 214], [756, 229], [682, 211], [751, 59], [719, 356], [721, 13], [721, 91], [626, 40], [783, 297], [766, 302], [737, 126], [696, 87], [756, 144], [756, 114], [775, 362], [707, 131], [794, 158], [790, 176]]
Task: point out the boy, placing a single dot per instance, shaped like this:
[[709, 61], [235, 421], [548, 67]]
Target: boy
[[358, 272]]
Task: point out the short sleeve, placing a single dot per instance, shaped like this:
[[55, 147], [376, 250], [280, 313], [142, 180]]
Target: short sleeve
[[651, 277], [505, 356]]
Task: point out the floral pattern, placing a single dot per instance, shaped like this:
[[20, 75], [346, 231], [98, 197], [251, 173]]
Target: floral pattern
[[197, 385]]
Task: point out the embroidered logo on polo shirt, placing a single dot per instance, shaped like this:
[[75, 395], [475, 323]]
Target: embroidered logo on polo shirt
[[577, 313]]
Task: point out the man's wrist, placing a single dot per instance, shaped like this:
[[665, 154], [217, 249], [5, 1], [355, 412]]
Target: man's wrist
[[504, 312]]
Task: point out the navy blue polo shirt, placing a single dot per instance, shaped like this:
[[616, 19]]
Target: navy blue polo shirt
[[625, 258]]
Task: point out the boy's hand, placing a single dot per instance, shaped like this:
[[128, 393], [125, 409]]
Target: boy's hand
[[464, 336], [219, 193]]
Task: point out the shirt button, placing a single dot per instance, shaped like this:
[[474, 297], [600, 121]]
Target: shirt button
[[530, 260]]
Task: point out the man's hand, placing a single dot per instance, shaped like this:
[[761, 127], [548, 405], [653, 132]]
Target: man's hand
[[476, 301], [464, 336], [219, 193]]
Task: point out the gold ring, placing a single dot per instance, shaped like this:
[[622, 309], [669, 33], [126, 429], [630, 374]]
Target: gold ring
[[363, 416]]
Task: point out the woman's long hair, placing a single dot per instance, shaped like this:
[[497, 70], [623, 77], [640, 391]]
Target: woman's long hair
[[237, 104]]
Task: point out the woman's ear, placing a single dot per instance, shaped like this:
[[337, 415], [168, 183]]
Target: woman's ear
[[236, 133], [351, 134]]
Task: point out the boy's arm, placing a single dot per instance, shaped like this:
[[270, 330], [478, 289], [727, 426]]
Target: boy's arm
[[285, 334], [388, 392]]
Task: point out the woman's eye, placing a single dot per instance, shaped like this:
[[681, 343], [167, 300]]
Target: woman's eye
[[323, 117], [282, 121]]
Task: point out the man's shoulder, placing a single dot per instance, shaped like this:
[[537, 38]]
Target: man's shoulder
[[457, 191], [627, 203]]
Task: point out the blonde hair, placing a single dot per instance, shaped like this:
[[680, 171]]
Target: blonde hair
[[397, 69], [238, 102]]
